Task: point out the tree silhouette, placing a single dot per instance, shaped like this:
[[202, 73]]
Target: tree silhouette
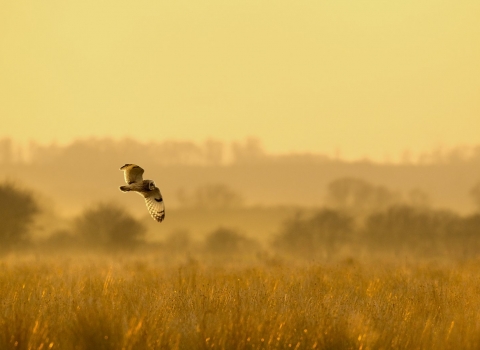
[[226, 241], [359, 197], [324, 233], [6, 152], [250, 151], [475, 195], [17, 211], [411, 229], [110, 228]]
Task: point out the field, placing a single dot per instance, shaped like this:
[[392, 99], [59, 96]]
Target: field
[[141, 303]]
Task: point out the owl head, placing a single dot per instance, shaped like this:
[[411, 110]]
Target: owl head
[[151, 185]]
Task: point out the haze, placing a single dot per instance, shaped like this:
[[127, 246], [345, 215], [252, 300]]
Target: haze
[[366, 78]]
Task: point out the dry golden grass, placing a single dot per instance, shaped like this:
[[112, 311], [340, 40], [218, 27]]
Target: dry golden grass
[[138, 304]]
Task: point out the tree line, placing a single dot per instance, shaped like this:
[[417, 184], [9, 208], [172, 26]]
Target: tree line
[[170, 152], [360, 217], [210, 152]]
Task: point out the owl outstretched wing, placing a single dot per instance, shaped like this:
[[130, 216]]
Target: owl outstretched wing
[[155, 205], [133, 173]]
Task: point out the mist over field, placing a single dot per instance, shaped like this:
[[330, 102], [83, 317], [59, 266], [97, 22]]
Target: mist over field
[[319, 162], [305, 205], [256, 251]]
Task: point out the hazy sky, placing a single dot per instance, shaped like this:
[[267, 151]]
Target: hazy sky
[[367, 77]]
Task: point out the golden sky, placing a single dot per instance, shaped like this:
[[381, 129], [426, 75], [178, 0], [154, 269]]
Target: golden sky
[[368, 77]]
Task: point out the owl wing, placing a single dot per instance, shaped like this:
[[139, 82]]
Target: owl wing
[[133, 173], [155, 205]]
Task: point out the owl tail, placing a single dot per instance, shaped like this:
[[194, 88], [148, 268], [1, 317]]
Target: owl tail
[[124, 188]]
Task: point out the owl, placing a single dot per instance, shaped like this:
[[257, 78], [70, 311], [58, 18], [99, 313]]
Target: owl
[[146, 188]]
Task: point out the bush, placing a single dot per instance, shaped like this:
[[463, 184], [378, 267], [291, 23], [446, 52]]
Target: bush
[[409, 229], [323, 233], [61, 241], [178, 242], [475, 195], [359, 197], [109, 227], [18, 209], [225, 241], [464, 240]]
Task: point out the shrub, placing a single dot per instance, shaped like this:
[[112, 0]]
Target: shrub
[[60, 240], [109, 227], [322, 233], [359, 197], [464, 240], [410, 229], [226, 241], [18, 209], [475, 195], [178, 242]]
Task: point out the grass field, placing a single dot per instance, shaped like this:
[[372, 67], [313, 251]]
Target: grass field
[[137, 303]]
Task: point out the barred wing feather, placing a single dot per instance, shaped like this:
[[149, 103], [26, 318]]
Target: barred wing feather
[[155, 205]]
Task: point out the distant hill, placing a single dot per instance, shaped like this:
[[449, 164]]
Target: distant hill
[[87, 171]]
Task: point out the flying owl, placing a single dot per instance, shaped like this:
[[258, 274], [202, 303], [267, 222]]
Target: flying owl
[[146, 188]]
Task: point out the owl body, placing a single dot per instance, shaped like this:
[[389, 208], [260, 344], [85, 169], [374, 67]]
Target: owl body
[[142, 188], [146, 188]]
